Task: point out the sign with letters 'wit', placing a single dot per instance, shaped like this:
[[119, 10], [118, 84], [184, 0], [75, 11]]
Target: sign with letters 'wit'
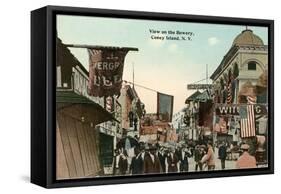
[[233, 109]]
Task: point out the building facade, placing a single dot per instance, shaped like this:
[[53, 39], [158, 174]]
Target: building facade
[[241, 67], [86, 128], [132, 110], [155, 131], [240, 80]]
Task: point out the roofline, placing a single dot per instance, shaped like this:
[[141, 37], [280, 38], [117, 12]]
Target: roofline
[[226, 59], [74, 58]]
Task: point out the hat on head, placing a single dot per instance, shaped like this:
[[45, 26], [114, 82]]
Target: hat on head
[[184, 145], [152, 147], [146, 147], [203, 146]]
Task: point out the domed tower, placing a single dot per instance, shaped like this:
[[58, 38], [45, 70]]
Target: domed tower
[[245, 62], [247, 37]]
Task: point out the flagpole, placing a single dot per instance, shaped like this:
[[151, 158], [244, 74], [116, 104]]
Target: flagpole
[[133, 75], [206, 73], [144, 87]]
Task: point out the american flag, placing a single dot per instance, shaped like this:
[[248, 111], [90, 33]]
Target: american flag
[[247, 121]]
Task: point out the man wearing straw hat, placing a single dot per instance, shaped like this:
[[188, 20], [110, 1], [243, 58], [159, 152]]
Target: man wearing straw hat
[[246, 160]]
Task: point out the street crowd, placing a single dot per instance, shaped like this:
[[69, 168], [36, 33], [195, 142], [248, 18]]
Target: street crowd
[[155, 159]]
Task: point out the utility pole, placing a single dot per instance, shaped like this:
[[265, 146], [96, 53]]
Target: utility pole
[[207, 74], [133, 75]]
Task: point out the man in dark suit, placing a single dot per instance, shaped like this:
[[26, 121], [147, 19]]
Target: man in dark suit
[[137, 163], [123, 162], [151, 162], [183, 159], [198, 155], [162, 155], [172, 161], [222, 155]]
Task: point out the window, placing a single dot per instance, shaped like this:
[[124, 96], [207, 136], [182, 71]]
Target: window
[[252, 65]]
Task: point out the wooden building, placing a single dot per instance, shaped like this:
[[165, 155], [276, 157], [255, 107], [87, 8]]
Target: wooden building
[[77, 139]]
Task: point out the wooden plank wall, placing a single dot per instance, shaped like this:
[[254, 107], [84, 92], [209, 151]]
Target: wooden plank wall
[[77, 150]]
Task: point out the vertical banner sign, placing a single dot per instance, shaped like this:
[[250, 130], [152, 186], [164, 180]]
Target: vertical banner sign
[[165, 107], [206, 114], [105, 71]]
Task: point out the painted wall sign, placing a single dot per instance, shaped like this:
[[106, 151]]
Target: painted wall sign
[[233, 109]]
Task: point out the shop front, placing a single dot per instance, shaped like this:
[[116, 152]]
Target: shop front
[[78, 142], [107, 139]]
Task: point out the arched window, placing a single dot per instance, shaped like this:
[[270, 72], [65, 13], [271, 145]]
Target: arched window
[[252, 66]]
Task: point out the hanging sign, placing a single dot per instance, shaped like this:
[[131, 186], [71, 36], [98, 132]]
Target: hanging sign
[[199, 86], [106, 71]]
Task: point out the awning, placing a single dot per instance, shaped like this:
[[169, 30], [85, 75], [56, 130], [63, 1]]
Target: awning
[[192, 97], [81, 108]]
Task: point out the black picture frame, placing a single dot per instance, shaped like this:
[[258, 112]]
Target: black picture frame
[[43, 97]]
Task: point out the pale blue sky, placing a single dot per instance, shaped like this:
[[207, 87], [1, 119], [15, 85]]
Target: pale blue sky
[[168, 65]]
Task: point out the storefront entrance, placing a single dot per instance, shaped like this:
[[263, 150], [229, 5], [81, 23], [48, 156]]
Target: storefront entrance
[[106, 151]]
